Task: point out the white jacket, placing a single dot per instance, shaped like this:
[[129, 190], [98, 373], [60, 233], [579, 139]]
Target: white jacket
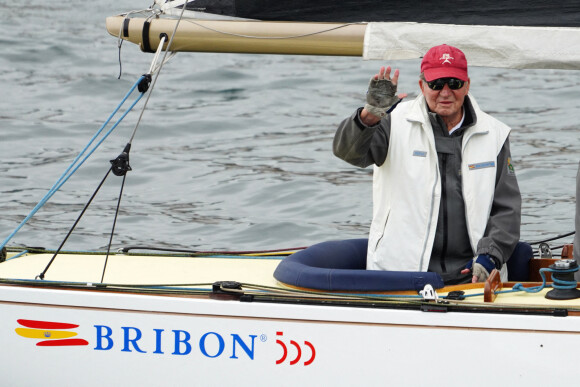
[[407, 187]]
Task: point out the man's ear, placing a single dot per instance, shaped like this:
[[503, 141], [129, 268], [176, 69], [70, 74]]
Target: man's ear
[[421, 84]]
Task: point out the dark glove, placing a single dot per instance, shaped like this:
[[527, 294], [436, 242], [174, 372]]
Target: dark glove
[[481, 266], [381, 97]]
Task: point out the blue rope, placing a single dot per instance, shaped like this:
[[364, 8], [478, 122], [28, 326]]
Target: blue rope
[[557, 284], [18, 255], [535, 289], [519, 287], [563, 284], [72, 168]]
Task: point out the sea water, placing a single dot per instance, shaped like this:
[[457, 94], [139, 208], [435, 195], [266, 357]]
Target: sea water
[[233, 151]]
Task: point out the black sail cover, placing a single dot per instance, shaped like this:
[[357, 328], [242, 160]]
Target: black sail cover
[[557, 13]]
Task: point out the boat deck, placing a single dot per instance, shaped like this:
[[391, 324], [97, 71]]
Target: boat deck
[[200, 272], [144, 269]]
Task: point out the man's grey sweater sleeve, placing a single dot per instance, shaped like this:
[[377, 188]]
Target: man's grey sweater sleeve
[[503, 227], [362, 145]]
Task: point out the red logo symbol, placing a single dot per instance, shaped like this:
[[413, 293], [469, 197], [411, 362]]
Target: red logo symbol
[[298, 351], [52, 334]]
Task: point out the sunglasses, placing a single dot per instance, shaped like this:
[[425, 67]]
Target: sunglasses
[[439, 84]]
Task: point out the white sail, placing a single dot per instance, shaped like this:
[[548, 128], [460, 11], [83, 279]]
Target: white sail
[[489, 46]]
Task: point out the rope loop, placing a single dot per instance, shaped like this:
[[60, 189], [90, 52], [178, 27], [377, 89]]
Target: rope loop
[[561, 278]]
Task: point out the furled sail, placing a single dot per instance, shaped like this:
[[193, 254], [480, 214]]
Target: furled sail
[[490, 46]]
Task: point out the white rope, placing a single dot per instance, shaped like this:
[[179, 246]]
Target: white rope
[[157, 71], [155, 67], [165, 5], [157, 53]]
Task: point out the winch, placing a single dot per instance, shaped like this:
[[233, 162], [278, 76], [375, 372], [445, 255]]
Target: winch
[[564, 285]]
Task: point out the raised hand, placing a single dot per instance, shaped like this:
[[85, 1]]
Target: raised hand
[[381, 93]]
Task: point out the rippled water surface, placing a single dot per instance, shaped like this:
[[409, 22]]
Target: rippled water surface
[[233, 151]]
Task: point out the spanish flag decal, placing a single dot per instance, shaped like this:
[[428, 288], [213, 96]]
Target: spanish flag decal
[[52, 334]]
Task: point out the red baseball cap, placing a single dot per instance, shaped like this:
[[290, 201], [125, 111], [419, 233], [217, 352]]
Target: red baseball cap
[[444, 62]]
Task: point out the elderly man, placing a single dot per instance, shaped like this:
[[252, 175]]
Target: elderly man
[[445, 194]]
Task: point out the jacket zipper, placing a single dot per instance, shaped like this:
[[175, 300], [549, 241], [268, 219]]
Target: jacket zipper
[[444, 209]]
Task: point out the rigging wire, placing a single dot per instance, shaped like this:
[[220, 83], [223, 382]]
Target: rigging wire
[[274, 37], [78, 162], [143, 85], [154, 68], [120, 39], [157, 12], [193, 252], [113, 228], [120, 63], [41, 275], [553, 238]]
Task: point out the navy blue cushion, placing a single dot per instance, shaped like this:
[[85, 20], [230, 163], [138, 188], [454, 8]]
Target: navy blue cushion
[[341, 265], [519, 263]]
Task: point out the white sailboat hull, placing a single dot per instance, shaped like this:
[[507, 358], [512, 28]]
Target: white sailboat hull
[[137, 339]]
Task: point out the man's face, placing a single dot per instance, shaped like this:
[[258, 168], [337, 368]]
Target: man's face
[[445, 102]]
